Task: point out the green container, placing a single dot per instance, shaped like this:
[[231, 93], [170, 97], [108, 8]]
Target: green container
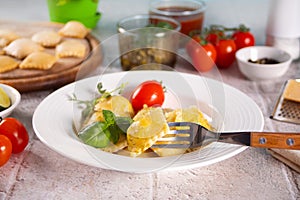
[[84, 11]]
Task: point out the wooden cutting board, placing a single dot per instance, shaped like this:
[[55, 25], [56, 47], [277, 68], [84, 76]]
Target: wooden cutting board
[[64, 71]]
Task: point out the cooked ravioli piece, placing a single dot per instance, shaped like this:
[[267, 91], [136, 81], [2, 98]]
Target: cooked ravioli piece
[[119, 105], [73, 29], [22, 47], [7, 63], [70, 48], [7, 36], [47, 38], [148, 126], [113, 148], [38, 60], [191, 114]]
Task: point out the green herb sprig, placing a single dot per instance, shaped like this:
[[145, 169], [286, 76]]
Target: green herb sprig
[[90, 104], [101, 134]]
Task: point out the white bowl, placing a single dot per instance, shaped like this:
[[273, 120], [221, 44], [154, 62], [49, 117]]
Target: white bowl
[[258, 72], [15, 98]]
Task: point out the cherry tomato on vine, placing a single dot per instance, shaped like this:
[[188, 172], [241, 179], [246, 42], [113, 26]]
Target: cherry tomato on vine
[[16, 132], [213, 37], [203, 54], [5, 149], [226, 49], [150, 93], [243, 39], [211, 51], [197, 38]]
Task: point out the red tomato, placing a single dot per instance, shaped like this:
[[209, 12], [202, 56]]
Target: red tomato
[[243, 39], [214, 37], [226, 49], [16, 132], [150, 93], [197, 38], [211, 51], [203, 56], [5, 149]]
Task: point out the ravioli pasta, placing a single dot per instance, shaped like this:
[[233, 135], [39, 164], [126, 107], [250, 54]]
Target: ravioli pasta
[[7, 36], [38, 60], [22, 47], [7, 63], [73, 29], [47, 38], [43, 48], [70, 48], [149, 125]]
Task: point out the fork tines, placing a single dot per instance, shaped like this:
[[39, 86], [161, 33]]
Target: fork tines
[[180, 136]]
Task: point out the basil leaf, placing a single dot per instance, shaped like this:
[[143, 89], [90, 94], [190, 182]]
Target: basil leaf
[[114, 133], [116, 125], [109, 117], [120, 127], [123, 123], [96, 135], [99, 134]]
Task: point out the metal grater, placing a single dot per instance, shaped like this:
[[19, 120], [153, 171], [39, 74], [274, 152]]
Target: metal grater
[[286, 110]]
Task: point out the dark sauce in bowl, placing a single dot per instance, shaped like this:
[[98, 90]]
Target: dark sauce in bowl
[[264, 61]]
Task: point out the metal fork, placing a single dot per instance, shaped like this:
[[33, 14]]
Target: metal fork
[[192, 135]]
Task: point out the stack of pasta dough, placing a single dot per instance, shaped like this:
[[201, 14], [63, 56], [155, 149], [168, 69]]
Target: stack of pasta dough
[[29, 53]]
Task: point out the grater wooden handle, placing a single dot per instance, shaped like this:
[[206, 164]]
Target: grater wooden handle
[[275, 140]]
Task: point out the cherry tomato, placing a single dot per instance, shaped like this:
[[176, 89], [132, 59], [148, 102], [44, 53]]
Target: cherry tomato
[[203, 56], [211, 51], [16, 132], [243, 39], [197, 38], [214, 36], [5, 149], [226, 49], [150, 93]]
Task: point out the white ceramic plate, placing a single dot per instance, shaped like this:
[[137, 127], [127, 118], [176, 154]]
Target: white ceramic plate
[[15, 98], [227, 109]]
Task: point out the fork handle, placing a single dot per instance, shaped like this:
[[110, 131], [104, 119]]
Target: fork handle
[[275, 140]]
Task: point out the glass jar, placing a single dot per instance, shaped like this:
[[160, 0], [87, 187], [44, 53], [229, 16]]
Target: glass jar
[[189, 13], [144, 40]]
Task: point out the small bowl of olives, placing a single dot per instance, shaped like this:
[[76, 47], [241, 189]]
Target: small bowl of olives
[[259, 63]]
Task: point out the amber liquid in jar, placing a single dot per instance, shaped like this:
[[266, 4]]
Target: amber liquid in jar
[[189, 22]]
